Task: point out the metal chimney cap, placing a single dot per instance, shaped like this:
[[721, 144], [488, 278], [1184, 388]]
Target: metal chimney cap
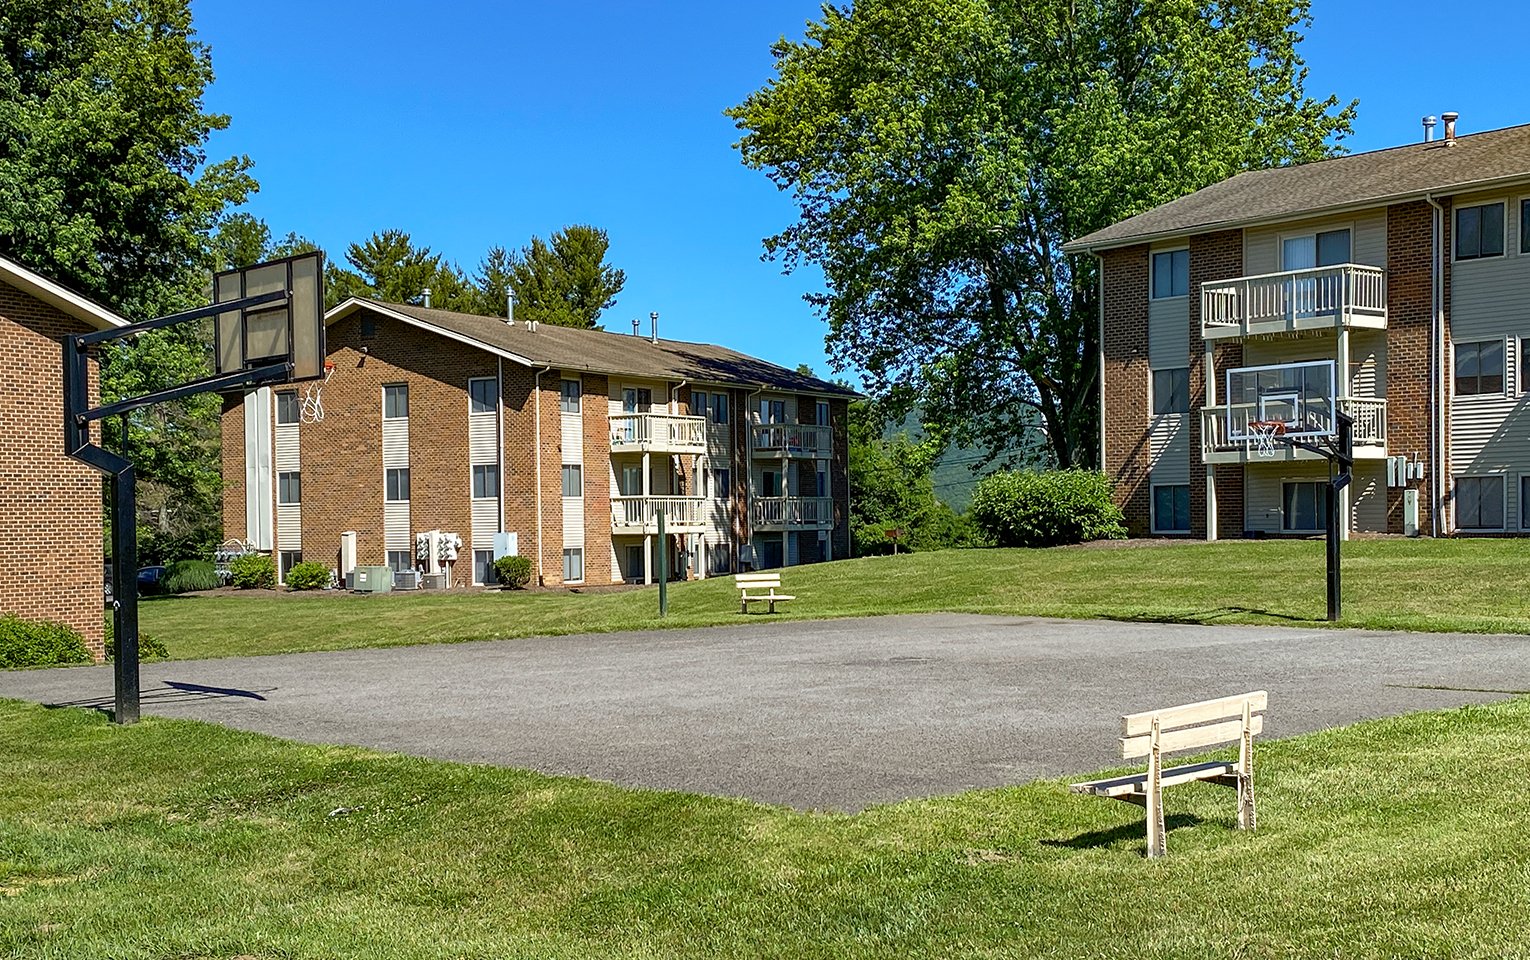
[[1450, 117]]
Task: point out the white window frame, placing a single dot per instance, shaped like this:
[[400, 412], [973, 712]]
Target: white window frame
[[1520, 234], [1281, 238], [281, 488], [564, 405], [1455, 345], [1153, 512], [409, 481], [283, 567], [472, 401], [395, 386], [297, 408], [563, 480], [473, 481], [1454, 210], [476, 580], [1153, 273], [1519, 491], [408, 556], [822, 413], [1153, 392], [1455, 515], [566, 552]]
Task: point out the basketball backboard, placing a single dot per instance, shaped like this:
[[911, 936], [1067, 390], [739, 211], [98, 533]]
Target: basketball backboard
[[1302, 397], [289, 328]]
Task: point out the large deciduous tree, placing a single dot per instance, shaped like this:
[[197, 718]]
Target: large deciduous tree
[[565, 281], [941, 152]]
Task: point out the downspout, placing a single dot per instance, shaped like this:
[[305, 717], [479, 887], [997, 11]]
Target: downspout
[[1436, 366], [499, 390], [748, 524], [1100, 295], [537, 415]]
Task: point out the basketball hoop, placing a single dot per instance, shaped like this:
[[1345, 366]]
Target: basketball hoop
[[1262, 434], [312, 410]]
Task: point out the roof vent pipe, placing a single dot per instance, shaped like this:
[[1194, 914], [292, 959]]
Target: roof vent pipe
[[1429, 123], [1450, 127], [510, 307], [426, 298], [653, 319], [637, 326]]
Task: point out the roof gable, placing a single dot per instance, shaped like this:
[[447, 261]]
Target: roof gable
[[58, 296]]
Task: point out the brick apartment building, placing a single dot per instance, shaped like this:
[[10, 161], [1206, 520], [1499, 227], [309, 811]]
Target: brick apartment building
[[1405, 272], [549, 442], [50, 506]]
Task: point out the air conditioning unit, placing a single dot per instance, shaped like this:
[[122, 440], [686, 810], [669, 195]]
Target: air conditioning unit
[[372, 580], [406, 580], [433, 581]]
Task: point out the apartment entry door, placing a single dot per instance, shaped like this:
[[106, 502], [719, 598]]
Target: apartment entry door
[[1315, 296]]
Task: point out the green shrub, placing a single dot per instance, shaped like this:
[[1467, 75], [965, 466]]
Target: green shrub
[[149, 647], [513, 572], [184, 576], [308, 575], [251, 571], [1026, 509], [39, 643]]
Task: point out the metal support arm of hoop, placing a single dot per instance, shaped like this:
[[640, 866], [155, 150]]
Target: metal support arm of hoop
[[78, 416]]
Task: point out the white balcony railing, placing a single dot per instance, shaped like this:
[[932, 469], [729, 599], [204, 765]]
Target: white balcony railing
[[793, 512], [1348, 295], [1219, 424], [792, 439], [641, 514], [660, 432]]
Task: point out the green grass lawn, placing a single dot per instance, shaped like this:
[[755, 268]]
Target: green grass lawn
[[1449, 585], [173, 839]]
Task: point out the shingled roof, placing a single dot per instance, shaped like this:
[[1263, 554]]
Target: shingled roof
[[600, 351], [1476, 162]]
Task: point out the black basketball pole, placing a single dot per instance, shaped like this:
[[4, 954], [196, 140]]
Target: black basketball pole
[[1341, 454], [1335, 597]]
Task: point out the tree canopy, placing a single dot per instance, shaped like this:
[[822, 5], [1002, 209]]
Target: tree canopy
[[565, 281], [942, 151]]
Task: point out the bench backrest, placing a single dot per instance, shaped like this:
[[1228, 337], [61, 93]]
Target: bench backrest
[[1204, 724], [757, 581]]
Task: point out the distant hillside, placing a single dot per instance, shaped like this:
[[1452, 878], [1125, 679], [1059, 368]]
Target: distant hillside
[[953, 477]]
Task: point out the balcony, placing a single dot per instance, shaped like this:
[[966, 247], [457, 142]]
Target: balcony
[[805, 440], [640, 515], [658, 433], [1370, 417], [793, 513], [1323, 298]]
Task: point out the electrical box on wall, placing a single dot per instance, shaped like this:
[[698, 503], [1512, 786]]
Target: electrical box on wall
[[1410, 512]]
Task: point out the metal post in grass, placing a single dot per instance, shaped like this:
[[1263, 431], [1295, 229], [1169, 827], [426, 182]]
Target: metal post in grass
[[663, 567]]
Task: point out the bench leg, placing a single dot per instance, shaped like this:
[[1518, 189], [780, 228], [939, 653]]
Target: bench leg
[[743, 606], [1157, 842], [772, 606], [1247, 819]]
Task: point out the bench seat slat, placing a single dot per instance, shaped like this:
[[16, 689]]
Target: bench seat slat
[[763, 597], [1221, 708], [1137, 783]]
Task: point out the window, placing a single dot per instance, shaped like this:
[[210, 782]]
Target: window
[[822, 409], [636, 400], [1479, 503], [289, 487], [1171, 274], [1171, 391], [573, 564], [396, 401], [772, 411], [700, 403], [823, 484], [397, 483], [630, 480], [1171, 508], [400, 560], [719, 408], [1332, 248], [483, 395], [483, 567], [287, 409], [722, 483], [288, 559], [1524, 226], [1306, 507], [1524, 364], [1479, 368], [1479, 231], [485, 481], [771, 484], [568, 400], [573, 480]]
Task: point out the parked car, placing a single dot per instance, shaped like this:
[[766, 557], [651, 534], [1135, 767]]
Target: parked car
[[149, 579]]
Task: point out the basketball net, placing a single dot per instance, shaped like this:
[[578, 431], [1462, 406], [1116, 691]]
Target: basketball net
[[1263, 434], [312, 410]]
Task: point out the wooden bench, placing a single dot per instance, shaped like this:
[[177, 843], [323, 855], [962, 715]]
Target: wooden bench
[[759, 581], [1194, 726]]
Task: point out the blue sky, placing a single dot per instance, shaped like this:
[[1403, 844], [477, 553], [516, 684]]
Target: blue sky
[[471, 124]]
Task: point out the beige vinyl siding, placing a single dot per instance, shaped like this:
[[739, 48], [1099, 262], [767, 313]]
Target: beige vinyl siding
[[1169, 448], [1169, 333], [1367, 357], [395, 455], [1490, 300], [289, 516], [572, 435], [483, 450], [1367, 240], [1262, 493]]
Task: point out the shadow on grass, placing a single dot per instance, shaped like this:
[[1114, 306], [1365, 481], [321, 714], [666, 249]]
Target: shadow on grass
[[1135, 831]]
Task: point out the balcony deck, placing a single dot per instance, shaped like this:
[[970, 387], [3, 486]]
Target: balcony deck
[[640, 515], [658, 433], [806, 440], [793, 513], [1349, 295], [1370, 415]]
